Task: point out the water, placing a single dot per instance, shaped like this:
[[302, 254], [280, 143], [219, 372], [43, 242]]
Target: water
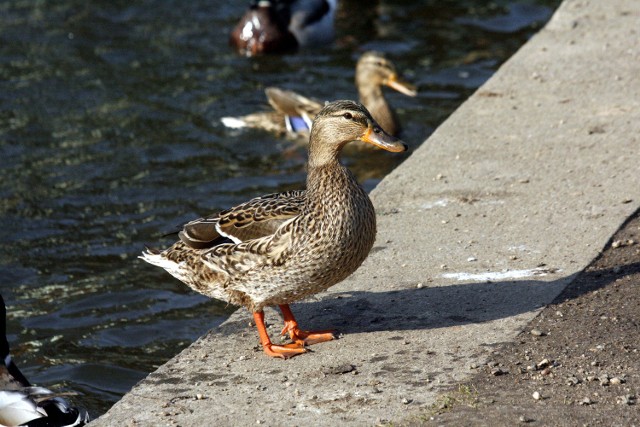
[[110, 137]]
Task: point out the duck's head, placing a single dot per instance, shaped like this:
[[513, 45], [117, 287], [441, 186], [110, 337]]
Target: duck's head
[[374, 70], [263, 29], [341, 122]]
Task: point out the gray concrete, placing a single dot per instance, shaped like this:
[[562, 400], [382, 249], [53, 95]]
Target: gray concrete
[[484, 224]]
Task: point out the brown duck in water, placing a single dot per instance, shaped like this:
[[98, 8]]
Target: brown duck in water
[[294, 113], [287, 246]]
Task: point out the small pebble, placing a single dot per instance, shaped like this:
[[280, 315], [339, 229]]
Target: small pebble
[[543, 364], [618, 243], [524, 419], [573, 381], [536, 395], [497, 372], [472, 259], [616, 381], [406, 401], [199, 396], [537, 333], [586, 401]]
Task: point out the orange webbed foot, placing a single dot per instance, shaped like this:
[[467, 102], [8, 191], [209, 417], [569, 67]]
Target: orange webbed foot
[[307, 337], [299, 336], [282, 351]]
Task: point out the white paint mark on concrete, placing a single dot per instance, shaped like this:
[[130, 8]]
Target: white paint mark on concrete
[[437, 204], [497, 275]]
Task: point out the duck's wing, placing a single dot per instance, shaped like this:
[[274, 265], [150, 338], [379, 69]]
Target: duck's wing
[[259, 217], [17, 408], [299, 111], [25, 406], [274, 249]]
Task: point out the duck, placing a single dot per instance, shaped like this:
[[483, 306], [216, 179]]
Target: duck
[[23, 404], [281, 26], [277, 249], [293, 113]]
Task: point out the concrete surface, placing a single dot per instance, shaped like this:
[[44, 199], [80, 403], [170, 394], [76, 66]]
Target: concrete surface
[[482, 226]]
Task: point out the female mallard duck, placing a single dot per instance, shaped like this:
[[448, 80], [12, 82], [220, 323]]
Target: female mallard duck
[[279, 26], [280, 248], [294, 113], [23, 404]]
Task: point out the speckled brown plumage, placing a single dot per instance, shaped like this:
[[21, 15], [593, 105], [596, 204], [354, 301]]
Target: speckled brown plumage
[[280, 248]]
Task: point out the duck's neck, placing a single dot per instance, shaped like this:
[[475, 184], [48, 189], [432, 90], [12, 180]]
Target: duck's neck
[[330, 185], [373, 98]]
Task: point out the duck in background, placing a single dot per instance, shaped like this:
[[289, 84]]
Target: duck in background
[[280, 26], [293, 113], [25, 405]]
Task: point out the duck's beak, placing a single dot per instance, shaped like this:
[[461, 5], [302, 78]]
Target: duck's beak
[[394, 82], [374, 135]]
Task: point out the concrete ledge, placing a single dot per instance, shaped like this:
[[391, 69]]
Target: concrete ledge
[[481, 227]]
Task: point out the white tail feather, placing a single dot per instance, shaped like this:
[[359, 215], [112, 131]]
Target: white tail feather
[[233, 122], [177, 270]]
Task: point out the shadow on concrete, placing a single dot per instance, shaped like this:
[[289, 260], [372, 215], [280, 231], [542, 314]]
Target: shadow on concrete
[[440, 306]]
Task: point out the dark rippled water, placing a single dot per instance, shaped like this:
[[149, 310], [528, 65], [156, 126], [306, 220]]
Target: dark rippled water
[[110, 137]]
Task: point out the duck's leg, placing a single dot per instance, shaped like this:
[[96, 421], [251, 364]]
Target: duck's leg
[[299, 336], [284, 351]]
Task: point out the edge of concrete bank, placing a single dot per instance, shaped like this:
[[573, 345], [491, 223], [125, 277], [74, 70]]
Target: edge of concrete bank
[[483, 225]]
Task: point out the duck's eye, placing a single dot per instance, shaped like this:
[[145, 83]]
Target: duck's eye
[[347, 116]]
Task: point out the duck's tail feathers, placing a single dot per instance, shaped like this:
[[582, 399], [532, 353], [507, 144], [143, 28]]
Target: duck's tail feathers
[[234, 122], [155, 257]]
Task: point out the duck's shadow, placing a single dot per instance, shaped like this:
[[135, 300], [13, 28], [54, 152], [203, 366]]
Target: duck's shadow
[[442, 306]]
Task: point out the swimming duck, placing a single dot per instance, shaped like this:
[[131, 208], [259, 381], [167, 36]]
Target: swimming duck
[[280, 26], [280, 248], [23, 404], [293, 113]]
